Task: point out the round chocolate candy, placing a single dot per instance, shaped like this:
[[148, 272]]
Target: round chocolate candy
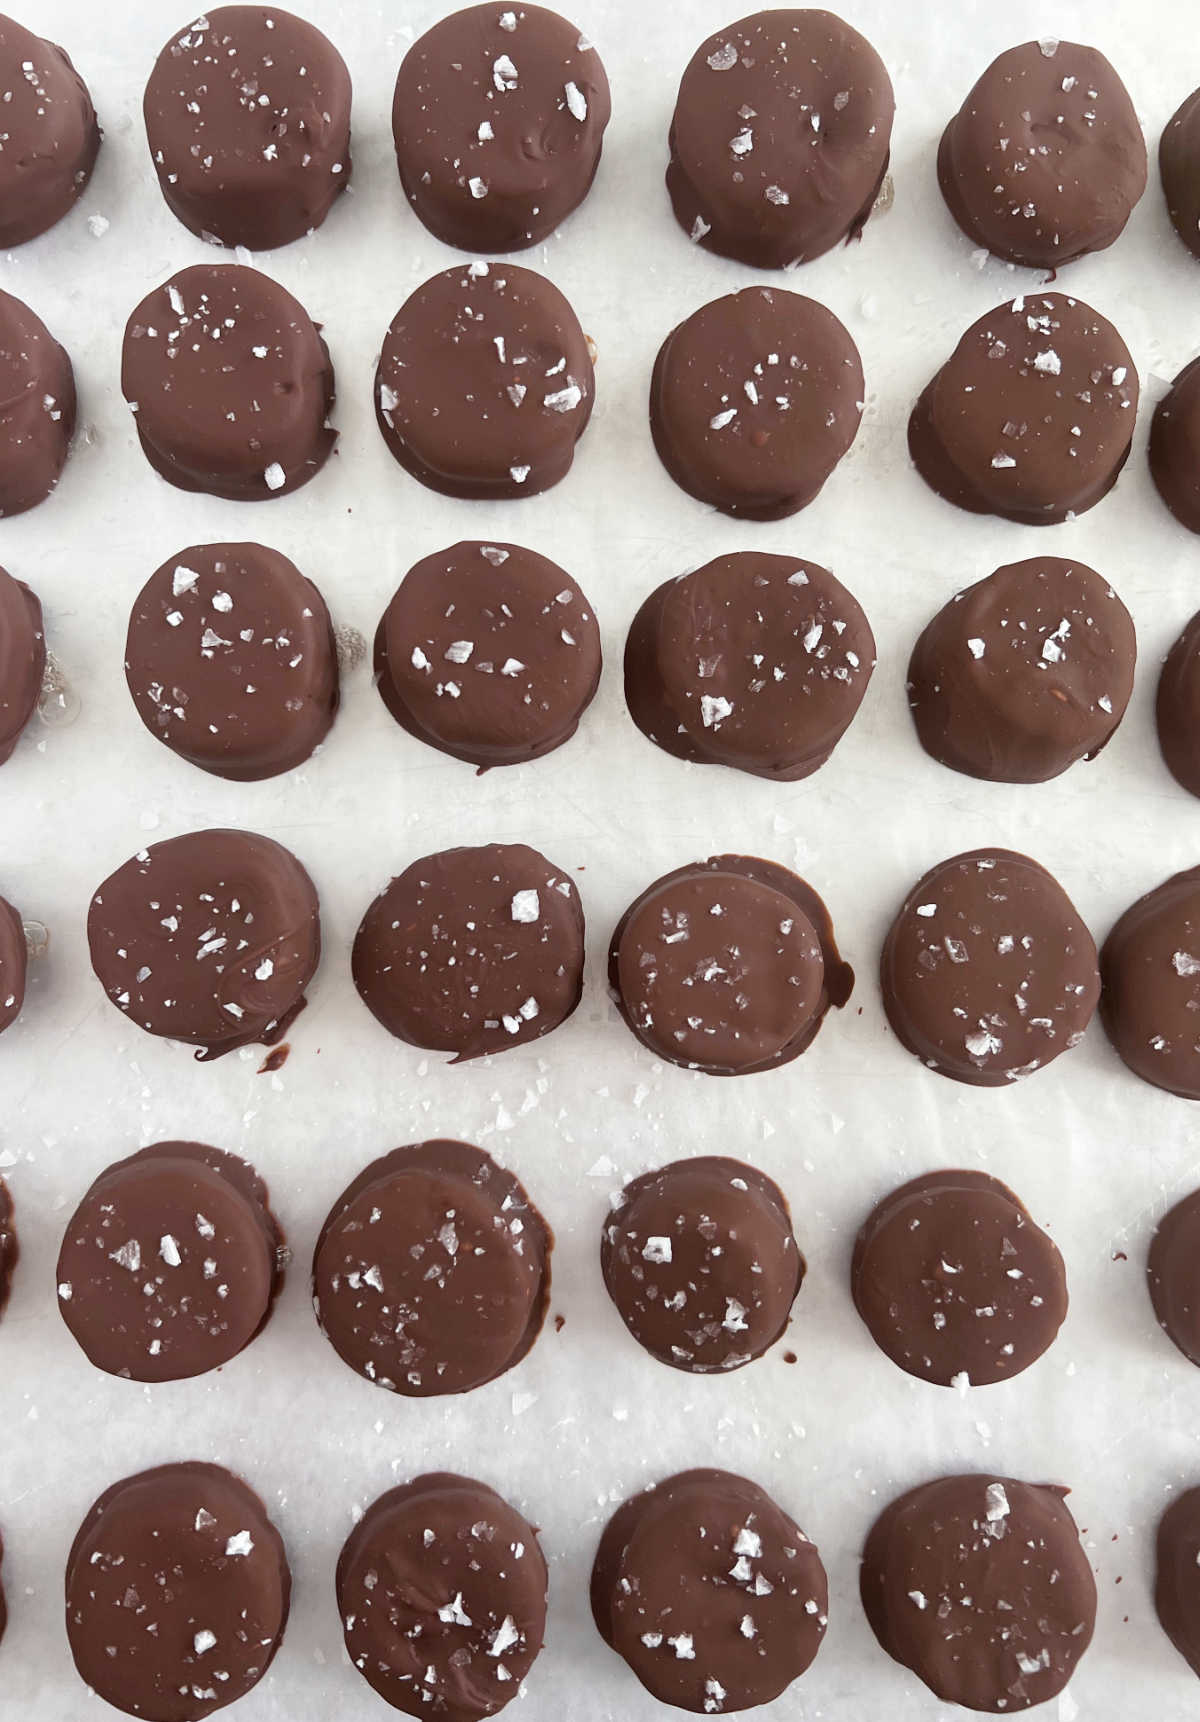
[[22, 659], [37, 406], [727, 966], [1150, 964], [432, 1271], [9, 1248], [498, 120], [51, 138], [1179, 166], [441, 1587], [1045, 159], [1175, 447], [701, 1261], [485, 383], [231, 660], [230, 383], [209, 938], [171, 1263], [488, 652], [472, 951], [1177, 1575], [1173, 1273], [1177, 708], [1032, 415], [980, 1586], [177, 1593], [955, 1282], [1024, 673], [780, 138], [248, 120], [754, 400], [713, 1595], [753, 661], [988, 973], [13, 963]]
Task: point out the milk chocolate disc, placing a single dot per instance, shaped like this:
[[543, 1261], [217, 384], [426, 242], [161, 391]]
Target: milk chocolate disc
[[727, 966], [1177, 1576], [780, 138], [230, 383], [432, 1271], [1045, 159], [498, 120], [488, 652], [988, 973], [979, 1585], [1031, 416], [754, 400], [1177, 708], [441, 1587], [9, 1250], [712, 1594], [1023, 673], [484, 383], [231, 660], [177, 1593], [248, 120], [701, 1261], [37, 406], [1175, 447], [13, 961], [1150, 964], [22, 659], [51, 138], [955, 1282], [171, 1263], [1179, 166], [1173, 1273], [472, 951], [209, 938]]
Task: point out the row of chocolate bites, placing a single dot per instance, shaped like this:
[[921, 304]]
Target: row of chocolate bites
[[430, 1276]]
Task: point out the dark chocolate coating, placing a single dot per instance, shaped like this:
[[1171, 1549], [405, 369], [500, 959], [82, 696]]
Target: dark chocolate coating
[[753, 661], [472, 951], [1031, 416], [488, 652], [1150, 966], [230, 383], [231, 660], [14, 958], [980, 1586], [171, 1263], [1024, 673], [432, 1271], [498, 120], [177, 1593], [209, 938], [727, 966], [713, 1595], [1173, 1274], [954, 1279], [485, 383], [988, 973], [248, 120], [701, 1261], [37, 406], [1177, 1576], [1045, 159], [780, 138], [22, 659], [51, 138], [1179, 166], [9, 1251], [1175, 446], [1177, 708], [754, 400], [441, 1587]]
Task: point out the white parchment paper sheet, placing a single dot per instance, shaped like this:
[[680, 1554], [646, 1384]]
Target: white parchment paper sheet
[[587, 1418]]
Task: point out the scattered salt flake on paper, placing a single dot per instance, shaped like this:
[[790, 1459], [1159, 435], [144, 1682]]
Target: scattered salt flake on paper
[[521, 1403]]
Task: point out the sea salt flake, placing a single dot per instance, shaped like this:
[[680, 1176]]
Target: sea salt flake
[[724, 58], [714, 709], [526, 906], [274, 476], [657, 1250], [576, 102]]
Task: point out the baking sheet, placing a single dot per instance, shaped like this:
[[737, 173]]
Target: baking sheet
[[588, 1418]]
